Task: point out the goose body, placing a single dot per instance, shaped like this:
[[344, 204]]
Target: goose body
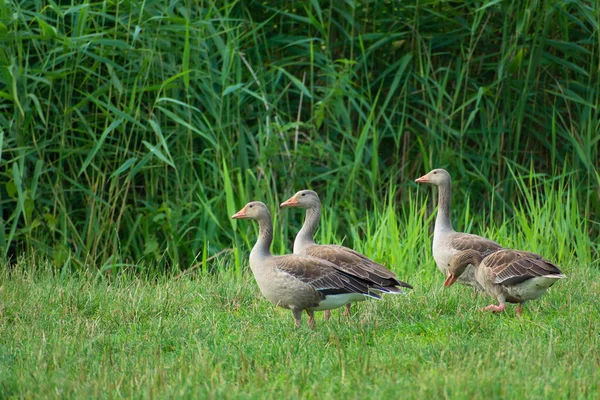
[[511, 276], [300, 283], [347, 260], [447, 244], [446, 241]]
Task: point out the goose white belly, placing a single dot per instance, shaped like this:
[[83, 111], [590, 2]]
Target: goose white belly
[[531, 288], [338, 300]]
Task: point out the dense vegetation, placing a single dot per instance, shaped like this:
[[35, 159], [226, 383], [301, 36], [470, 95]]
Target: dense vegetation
[[130, 131]]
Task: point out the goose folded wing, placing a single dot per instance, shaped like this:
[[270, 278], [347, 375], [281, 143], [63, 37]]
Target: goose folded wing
[[356, 264], [512, 267], [322, 275], [343, 259]]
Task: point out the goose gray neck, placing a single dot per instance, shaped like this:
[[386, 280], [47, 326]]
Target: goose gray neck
[[442, 221], [306, 235], [262, 247], [462, 260]]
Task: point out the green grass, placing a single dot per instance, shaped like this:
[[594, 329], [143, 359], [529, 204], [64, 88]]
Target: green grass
[[127, 334], [215, 336]]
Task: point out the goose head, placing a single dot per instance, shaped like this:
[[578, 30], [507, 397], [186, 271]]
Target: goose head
[[459, 263], [303, 199], [256, 210], [436, 177]]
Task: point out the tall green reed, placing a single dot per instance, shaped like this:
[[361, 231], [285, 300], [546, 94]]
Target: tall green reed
[[130, 131]]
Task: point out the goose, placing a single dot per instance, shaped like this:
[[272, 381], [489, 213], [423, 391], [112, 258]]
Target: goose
[[300, 283], [508, 275], [446, 241], [346, 259]]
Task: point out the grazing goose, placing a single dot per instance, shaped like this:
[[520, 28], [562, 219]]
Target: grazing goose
[[299, 282], [509, 275], [347, 260], [446, 241]]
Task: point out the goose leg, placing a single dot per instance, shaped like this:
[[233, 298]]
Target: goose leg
[[311, 319], [297, 316], [494, 308], [347, 311], [327, 314], [519, 308]]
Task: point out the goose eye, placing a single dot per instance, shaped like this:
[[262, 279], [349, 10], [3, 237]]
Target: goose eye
[[434, 172], [250, 206], [303, 194]]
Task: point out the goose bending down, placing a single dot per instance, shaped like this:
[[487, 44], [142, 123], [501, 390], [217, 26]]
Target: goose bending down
[[508, 275], [300, 283], [446, 241], [351, 262]]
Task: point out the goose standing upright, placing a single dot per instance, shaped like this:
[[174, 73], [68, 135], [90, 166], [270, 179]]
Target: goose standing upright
[[300, 283], [508, 275], [446, 241], [348, 260]]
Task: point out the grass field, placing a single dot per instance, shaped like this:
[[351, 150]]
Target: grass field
[[215, 337], [212, 335]]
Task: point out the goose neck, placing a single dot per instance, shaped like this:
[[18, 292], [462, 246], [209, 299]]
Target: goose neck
[[442, 221], [306, 234], [262, 247]]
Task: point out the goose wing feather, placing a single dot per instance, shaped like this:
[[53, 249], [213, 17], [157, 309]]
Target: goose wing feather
[[510, 267], [322, 275], [356, 264]]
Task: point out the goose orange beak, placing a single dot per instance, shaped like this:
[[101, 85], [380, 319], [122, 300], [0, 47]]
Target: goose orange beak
[[423, 179], [450, 280], [291, 202], [239, 214]]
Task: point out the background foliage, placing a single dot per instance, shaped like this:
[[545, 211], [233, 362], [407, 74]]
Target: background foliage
[[130, 131]]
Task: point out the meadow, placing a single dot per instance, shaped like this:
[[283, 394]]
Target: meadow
[[131, 131], [215, 337], [212, 335]]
